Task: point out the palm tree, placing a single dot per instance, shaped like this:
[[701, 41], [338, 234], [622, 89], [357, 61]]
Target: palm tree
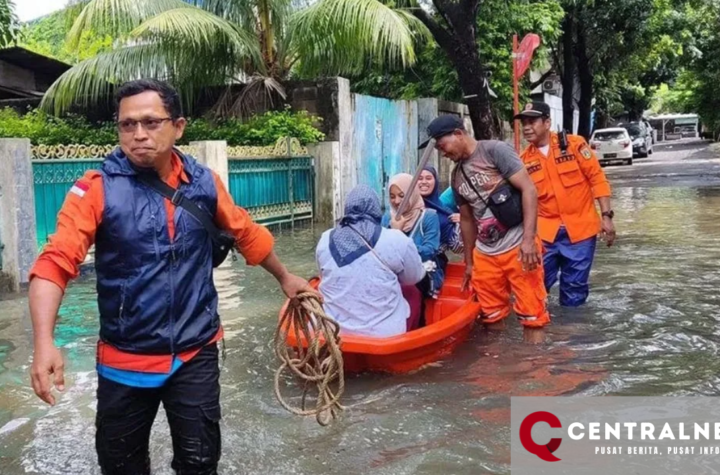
[[259, 43]]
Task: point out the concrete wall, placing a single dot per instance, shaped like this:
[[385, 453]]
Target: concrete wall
[[213, 153], [17, 210], [556, 112], [368, 139], [322, 98], [327, 163]]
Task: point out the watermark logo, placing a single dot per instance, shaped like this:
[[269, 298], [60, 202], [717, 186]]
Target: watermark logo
[[545, 452]]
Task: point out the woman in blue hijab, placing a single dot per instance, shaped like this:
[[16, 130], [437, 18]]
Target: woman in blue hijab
[[429, 187], [363, 269]]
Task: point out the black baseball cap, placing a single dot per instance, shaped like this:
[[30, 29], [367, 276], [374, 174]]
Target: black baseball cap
[[534, 109], [441, 126]]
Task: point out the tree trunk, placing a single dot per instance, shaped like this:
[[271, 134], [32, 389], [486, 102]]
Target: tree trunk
[[456, 36], [601, 118], [586, 86], [568, 69], [472, 83]]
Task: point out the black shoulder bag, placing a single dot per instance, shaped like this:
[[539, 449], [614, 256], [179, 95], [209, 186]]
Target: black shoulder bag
[[505, 202], [222, 241]]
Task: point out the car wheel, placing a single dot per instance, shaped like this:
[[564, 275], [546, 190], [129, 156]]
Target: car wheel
[[629, 161]]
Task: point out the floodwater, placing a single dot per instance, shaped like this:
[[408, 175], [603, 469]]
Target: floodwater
[[650, 328]]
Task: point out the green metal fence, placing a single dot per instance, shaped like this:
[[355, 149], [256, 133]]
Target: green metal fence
[[274, 190], [53, 179]]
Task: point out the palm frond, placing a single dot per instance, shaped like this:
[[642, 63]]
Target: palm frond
[[240, 10], [116, 17], [95, 79], [343, 36], [197, 33]]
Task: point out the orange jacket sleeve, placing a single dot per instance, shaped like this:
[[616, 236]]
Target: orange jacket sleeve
[[77, 223], [253, 240], [591, 168]]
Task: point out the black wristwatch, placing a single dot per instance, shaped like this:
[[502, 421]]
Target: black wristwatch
[[609, 214]]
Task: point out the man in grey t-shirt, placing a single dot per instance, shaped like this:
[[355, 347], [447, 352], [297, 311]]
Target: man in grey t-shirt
[[499, 260]]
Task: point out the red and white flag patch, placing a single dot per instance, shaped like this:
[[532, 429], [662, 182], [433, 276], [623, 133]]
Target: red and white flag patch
[[80, 188]]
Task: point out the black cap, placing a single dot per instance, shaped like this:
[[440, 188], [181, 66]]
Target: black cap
[[443, 125], [534, 109]]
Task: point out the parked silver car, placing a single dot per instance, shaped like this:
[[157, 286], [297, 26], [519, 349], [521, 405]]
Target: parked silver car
[[641, 137]]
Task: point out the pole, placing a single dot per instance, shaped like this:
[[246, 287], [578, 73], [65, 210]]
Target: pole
[[516, 94], [423, 161]]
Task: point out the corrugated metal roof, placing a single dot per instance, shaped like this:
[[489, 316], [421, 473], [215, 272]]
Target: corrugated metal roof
[[672, 116]]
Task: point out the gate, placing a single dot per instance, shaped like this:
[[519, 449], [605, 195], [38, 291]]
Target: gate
[[385, 137]]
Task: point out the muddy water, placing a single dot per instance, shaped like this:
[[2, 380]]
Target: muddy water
[[650, 328]]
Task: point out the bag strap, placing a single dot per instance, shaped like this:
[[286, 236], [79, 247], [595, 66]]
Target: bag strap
[[178, 199], [467, 180], [372, 250]]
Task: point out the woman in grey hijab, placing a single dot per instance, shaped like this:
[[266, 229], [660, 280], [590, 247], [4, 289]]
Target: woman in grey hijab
[[362, 267]]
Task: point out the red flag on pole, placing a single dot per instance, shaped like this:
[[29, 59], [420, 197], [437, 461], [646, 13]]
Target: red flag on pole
[[524, 54]]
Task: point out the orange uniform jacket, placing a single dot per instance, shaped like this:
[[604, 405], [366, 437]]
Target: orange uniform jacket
[[78, 221], [567, 187]]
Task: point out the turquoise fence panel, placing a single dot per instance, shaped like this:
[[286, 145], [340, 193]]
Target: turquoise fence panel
[[53, 179], [273, 190]]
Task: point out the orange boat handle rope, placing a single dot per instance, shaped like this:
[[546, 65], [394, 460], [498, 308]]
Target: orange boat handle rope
[[319, 361]]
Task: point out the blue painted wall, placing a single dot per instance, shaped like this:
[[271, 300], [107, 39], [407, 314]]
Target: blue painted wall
[[385, 139]]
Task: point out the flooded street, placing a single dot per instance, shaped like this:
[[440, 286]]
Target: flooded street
[[651, 327]]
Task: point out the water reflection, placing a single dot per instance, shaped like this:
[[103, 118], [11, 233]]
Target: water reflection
[[650, 328]]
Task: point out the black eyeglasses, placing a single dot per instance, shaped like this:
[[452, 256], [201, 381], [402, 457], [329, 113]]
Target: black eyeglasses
[[129, 126]]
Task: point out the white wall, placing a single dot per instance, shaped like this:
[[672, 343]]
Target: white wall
[[556, 113]]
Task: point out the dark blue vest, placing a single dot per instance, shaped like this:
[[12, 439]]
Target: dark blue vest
[[155, 296]]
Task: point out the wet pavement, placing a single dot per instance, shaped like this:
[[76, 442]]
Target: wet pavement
[[650, 328]]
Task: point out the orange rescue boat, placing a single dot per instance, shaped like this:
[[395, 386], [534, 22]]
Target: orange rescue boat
[[449, 320]]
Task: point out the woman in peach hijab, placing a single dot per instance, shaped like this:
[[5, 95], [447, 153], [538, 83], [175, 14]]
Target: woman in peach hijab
[[423, 227]]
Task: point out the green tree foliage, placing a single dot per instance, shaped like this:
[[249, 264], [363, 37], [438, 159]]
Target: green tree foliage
[[266, 129], [47, 36], [665, 43], [217, 42], [434, 76], [598, 38], [694, 90], [9, 25]]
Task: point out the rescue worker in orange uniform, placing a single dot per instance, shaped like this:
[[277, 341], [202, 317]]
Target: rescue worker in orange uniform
[[568, 179], [503, 254]]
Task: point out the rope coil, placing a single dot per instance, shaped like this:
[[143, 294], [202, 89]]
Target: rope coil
[[318, 363]]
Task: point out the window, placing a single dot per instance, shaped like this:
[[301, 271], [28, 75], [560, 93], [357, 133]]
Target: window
[[635, 130], [608, 135]]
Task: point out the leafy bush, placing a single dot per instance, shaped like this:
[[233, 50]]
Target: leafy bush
[[265, 129], [44, 129]]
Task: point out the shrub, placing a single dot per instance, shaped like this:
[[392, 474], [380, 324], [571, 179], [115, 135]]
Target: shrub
[[44, 129], [265, 129]]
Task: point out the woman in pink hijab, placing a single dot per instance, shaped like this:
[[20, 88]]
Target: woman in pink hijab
[[423, 227]]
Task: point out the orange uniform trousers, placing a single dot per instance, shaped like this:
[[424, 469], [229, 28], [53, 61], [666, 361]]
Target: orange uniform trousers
[[495, 278]]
